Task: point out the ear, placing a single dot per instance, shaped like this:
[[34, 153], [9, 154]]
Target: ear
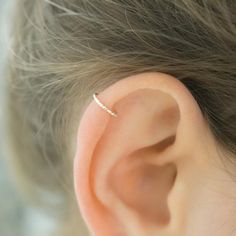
[[134, 173]]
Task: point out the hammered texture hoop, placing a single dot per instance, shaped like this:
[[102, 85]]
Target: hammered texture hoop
[[103, 106]]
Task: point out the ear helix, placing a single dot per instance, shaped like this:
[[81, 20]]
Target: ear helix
[[103, 106]]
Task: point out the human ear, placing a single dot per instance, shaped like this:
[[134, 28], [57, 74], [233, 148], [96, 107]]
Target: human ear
[[134, 173]]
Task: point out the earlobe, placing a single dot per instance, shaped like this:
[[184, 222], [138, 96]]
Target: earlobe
[[126, 168]]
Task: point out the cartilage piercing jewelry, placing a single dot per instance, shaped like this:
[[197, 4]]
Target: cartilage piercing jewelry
[[103, 106]]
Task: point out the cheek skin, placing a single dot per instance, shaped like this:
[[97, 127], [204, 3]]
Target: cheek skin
[[213, 207]]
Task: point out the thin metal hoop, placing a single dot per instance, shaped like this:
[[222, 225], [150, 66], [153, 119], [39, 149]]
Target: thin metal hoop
[[103, 106]]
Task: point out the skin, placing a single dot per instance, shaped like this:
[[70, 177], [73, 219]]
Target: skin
[[155, 168]]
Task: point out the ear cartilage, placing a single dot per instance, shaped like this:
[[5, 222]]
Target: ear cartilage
[[103, 106]]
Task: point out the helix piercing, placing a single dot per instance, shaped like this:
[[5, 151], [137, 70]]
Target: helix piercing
[[103, 106]]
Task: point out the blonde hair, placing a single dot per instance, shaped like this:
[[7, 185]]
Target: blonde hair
[[64, 51]]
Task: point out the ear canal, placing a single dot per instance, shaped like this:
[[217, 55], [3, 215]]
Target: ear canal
[[144, 189]]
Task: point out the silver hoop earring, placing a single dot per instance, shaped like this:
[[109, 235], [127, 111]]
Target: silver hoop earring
[[103, 106]]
